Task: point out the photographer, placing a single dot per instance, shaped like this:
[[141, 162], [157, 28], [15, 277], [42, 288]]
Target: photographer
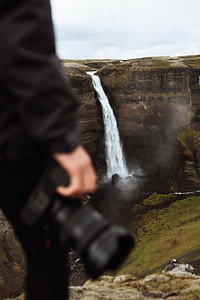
[[38, 120]]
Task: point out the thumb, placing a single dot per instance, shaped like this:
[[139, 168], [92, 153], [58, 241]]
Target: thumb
[[72, 190]]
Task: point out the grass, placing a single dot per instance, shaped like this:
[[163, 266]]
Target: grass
[[147, 62], [156, 199], [192, 61], [163, 234]]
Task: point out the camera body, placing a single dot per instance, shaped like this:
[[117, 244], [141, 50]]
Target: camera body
[[100, 244]]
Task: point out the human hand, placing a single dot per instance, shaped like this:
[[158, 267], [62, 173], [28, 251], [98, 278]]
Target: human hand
[[78, 166]]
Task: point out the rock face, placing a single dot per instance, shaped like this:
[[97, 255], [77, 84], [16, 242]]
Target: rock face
[[90, 121], [156, 102], [179, 286], [90, 114]]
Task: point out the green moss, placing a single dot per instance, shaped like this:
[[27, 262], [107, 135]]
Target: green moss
[[156, 199], [145, 63], [196, 56], [164, 234], [192, 61], [2, 255], [162, 62], [87, 60], [190, 141], [137, 208], [183, 139]]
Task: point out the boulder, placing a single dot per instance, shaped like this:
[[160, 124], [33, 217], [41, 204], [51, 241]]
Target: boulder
[[12, 262]]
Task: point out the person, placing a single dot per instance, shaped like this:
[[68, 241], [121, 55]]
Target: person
[[38, 120]]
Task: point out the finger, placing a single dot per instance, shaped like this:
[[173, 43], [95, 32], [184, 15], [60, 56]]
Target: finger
[[81, 185], [68, 193], [74, 189]]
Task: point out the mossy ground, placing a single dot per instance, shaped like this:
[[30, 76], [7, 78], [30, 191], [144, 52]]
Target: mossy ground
[[164, 233], [192, 61], [190, 141]]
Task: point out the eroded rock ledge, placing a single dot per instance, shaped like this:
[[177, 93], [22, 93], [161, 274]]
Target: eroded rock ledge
[[179, 286]]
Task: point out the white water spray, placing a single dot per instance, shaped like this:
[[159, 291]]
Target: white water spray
[[115, 160]]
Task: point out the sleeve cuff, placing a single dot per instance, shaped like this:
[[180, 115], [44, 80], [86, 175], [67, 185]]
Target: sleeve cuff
[[66, 144]]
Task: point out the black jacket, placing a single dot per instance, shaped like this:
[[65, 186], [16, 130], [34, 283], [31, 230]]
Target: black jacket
[[37, 107]]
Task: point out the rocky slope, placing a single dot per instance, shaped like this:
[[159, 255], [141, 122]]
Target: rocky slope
[[164, 226], [178, 286]]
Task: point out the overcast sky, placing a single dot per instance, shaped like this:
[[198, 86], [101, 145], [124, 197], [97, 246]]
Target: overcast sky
[[125, 29]]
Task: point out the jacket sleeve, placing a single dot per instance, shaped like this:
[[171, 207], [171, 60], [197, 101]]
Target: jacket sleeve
[[33, 75]]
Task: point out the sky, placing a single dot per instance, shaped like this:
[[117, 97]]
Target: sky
[[124, 29]]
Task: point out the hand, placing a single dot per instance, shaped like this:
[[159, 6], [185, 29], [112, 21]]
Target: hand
[[78, 166]]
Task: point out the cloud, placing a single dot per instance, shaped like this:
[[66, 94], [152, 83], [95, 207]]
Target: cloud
[[124, 29]]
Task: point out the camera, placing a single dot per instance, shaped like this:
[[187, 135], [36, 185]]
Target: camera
[[100, 244]]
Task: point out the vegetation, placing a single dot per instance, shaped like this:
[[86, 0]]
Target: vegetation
[[156, 199], [2, 256], [163, 234], [190, 141], [183, 137], [192, 61]]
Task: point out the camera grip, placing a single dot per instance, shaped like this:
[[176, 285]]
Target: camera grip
[[41, 197]]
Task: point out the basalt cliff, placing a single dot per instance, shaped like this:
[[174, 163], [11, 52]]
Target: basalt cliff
[[156, 102]]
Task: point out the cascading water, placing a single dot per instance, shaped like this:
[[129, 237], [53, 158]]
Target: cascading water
[[115, 160]]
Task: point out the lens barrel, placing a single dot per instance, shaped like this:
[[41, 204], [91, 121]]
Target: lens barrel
[[108, 250], [100, 244]]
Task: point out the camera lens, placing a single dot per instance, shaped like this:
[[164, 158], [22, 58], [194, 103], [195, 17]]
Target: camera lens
[[100, 244], [108, 250]]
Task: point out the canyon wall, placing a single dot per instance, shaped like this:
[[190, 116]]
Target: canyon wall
[[156, 102]]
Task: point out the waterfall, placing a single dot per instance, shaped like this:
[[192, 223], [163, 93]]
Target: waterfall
[[115, 160]]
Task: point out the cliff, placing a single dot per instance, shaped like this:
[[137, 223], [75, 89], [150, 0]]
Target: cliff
[[156, 103]]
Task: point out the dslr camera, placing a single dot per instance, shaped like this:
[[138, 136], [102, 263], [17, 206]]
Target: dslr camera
[[101, 245]]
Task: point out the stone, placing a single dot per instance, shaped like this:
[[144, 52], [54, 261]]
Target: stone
[[156, 104], [176, 267], [12, 262], [157, 286]]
